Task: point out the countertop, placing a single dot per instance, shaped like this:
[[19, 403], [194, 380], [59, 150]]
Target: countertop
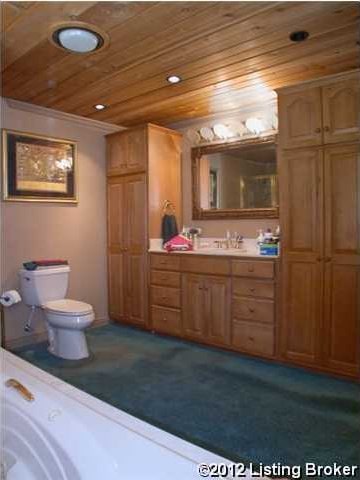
[[248, 249]]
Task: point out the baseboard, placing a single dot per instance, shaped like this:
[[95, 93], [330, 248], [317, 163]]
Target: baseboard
[[98, 322], [30, 339], [33, 338]]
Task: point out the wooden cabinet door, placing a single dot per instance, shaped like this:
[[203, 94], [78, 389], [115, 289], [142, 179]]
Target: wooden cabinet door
[[135, 248], [116, 153], [341, 112], [217, 310], [116, 245], [116, 282], [301, 311], [135, 213], [301, 203], [135, 289], [342, 259], [300, 118], [193, 306], [127, 151], [136, 149]]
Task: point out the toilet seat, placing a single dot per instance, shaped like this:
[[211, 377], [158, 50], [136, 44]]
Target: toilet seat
[[68, 307]]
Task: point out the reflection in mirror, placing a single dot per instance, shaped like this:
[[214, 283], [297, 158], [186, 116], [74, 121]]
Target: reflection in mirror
[[242, 178], [236, 179]]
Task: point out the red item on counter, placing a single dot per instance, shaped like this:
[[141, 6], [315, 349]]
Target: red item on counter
[[179, 243]]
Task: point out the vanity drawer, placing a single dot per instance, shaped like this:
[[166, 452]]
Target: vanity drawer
[[166, 320], [166, 296], [253, 288], [165, 261], [242, 268], [168, 279], [215, 266], [255, 310], [258, 339]]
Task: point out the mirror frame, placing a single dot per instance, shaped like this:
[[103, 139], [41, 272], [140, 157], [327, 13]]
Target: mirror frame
[[213, 214]]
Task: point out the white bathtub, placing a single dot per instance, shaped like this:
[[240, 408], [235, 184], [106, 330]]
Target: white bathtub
[[66, 434]]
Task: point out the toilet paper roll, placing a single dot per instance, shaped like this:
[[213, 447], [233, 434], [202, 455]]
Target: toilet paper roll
[[10, 297]]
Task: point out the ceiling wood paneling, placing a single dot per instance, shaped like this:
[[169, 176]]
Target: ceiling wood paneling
[[229, 54]]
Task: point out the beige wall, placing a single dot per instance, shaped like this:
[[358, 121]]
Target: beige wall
[[49, 230]]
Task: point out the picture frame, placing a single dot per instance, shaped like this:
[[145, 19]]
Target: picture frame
[[38, 168]]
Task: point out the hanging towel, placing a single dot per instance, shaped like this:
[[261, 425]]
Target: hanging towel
[[169, 228]]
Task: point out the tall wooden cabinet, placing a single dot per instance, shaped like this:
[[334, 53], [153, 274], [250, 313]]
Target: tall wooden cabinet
[[144, 170], [319, 177]]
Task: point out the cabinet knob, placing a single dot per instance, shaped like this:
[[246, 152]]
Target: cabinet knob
[[327, 128], [327, 259], [317, 130], [251, 339], [164, 319], [164, 297], [251, 310], [250, 269], [252, 290]]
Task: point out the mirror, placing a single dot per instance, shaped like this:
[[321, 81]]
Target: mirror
[[236, 180]]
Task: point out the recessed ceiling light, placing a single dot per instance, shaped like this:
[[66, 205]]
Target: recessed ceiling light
[[173, 79], [299, 36], [78, 39], [99, 106]]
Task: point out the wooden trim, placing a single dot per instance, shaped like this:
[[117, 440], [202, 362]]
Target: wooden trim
[[200, 214], [103, 127], [319, 82]]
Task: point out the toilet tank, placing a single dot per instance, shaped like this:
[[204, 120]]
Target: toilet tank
[[44, 284]]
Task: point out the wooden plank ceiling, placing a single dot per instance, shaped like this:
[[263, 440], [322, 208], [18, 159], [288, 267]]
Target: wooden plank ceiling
[[229, 54]]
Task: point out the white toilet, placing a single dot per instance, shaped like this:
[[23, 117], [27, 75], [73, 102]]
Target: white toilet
[[66, 319]]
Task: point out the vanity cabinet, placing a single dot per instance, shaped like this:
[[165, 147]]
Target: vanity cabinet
[[224, 302], [326, 111], [320, 222], [135, 200]]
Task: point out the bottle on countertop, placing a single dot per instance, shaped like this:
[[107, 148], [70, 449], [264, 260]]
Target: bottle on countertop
[[260, 238]]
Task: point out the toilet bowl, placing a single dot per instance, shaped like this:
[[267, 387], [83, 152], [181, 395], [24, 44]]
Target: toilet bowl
[[67, 320]]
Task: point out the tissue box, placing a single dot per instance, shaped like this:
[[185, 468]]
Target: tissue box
[[269, 249]]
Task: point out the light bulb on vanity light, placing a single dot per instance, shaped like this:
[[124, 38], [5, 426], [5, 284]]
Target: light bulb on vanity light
[[255, 125]]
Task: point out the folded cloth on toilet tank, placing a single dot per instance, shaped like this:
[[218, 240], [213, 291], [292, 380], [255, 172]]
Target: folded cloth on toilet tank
[[34, 264]]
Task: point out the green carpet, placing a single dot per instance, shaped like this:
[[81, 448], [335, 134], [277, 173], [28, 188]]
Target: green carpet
[[243, 408]]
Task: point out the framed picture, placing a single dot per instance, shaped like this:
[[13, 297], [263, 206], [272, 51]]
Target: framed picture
[[38, 168]]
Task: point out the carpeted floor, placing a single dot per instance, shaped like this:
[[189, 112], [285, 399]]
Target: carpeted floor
[[242, 408]]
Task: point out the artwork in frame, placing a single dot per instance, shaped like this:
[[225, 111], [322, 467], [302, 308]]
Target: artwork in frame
[[38, 168]]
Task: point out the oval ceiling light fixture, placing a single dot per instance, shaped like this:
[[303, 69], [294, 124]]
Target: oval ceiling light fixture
[[100, 106], [78, 37], [299, 36], [174, 79]]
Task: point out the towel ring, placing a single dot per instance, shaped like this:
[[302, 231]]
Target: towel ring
[[168, 207]]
